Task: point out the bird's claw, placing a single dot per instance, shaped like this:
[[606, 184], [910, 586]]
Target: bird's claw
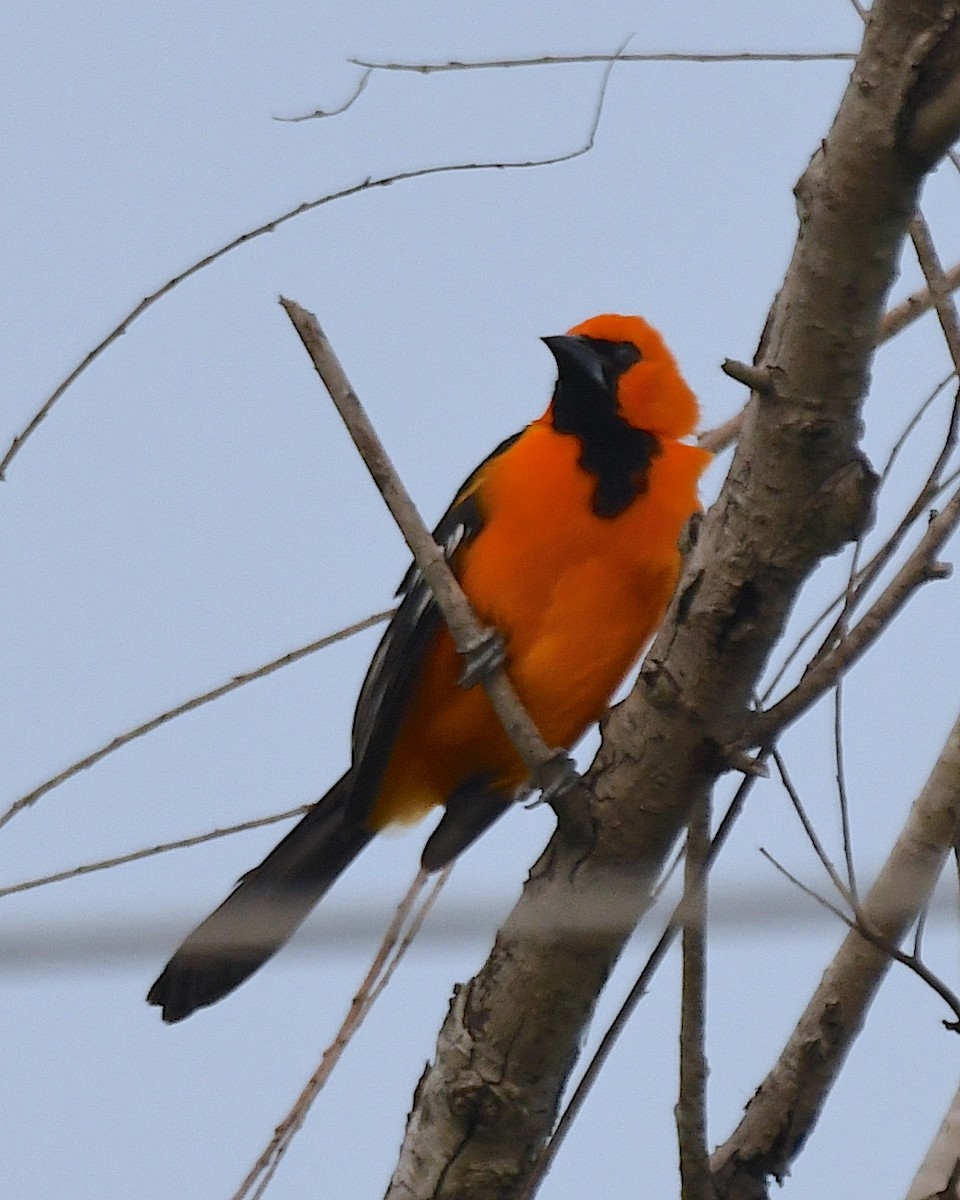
[[483, 658], [555, 777]]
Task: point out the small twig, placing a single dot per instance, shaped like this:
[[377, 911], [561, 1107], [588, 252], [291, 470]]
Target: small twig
[[807, 891], [551, 60], [182, 844], [188, 706], [918, 569], [869, 934], [897, 319], [696, 1182], [465, 630], [809, 830], [381, 970], [841, 778], [910, 428], [757, 379], [413, 929], [858, 920], [319, 113]]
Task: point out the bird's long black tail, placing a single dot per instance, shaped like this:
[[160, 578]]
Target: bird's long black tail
[[263, 910]]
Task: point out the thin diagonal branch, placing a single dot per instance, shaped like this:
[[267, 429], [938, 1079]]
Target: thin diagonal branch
[[194, 702], [466, 631], [938, 286], [859, 924], [907, 311], [808, 829], [860, 920], [162, 848], [918, 569], [841, 780], [551, 1149]]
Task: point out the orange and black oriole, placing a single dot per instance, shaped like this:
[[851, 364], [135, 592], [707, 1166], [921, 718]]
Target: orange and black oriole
[[565, 540]]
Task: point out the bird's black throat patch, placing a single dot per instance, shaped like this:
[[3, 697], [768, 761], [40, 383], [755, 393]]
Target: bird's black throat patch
[[612, 450]]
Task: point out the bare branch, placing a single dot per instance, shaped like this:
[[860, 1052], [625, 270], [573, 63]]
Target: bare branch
[[182, 844], [805, 889], [860, 924], [811, 833], [841, 779], [319, 113], [896, 320], [860, 919], [553, 60], [187, 706], [938, 286], [717, 440], [690, 1112], [915, 305]]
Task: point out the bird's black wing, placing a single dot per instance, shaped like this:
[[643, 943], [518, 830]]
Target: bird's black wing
[[397, 662]]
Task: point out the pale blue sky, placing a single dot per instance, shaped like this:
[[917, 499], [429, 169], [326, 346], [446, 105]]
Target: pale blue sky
[[192, 508]]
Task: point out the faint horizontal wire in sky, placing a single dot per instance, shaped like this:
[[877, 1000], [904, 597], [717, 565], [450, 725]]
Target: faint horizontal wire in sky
[[765, 912]]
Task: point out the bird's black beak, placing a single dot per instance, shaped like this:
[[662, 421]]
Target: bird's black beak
[[577, 356]]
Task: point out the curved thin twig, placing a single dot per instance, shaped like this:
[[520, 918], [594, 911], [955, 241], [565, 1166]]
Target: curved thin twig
[[365, 185], [319, 113]]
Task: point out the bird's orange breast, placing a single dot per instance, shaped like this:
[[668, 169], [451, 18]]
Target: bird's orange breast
[[575, 596]]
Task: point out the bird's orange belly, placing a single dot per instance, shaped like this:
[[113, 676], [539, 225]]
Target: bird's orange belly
[[565, 660]]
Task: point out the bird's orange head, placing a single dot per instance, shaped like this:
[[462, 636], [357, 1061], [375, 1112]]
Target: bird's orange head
[[626, 358]]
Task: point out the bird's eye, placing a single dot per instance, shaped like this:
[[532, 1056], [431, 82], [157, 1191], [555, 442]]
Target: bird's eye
[[617, 357], [623, 355]]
